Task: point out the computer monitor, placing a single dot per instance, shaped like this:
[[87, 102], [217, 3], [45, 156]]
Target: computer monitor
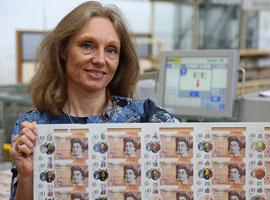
[[198, 82]]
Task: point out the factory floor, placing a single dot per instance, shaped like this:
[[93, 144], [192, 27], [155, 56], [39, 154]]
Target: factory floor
[[5, 165], [5, 180]]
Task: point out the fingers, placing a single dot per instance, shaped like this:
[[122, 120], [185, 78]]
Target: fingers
[[31, 126], [27, 134], [23, 148], [25, 141], [25, 144]]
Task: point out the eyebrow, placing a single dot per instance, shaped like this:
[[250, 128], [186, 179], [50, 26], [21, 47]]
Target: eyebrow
[[92, 38]]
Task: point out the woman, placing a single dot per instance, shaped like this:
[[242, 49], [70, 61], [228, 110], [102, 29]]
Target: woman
[[130, 175], [235, 174], [130, 147], [182, 147], [87, 73], [182, 174], [235, 146], [77, 176], [77, 148]]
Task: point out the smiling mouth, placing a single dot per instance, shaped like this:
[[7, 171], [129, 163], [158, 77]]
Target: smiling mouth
[[95, 73]]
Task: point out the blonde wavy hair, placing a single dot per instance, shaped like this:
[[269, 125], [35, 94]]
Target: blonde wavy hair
[[48, 87]]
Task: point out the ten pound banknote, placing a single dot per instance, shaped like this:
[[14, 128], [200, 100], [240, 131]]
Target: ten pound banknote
[[152, 161]]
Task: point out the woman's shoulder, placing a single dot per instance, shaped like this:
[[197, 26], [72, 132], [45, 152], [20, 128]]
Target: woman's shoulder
[[156, 114], [145, 110], [31, 116], [125, 102], [124, 110]]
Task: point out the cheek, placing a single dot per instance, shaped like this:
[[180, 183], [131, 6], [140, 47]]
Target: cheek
[[114, 66], [74, 63], [72, 67]]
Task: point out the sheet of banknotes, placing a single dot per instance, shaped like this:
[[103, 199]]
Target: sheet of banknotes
[[153, 161]]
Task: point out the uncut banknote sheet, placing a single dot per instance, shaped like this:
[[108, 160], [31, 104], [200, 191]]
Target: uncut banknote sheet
[[146, 161]]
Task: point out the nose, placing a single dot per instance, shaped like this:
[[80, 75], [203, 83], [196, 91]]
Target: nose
[[99, 57]]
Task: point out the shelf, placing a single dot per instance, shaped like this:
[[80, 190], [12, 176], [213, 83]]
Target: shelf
[[254, 53]]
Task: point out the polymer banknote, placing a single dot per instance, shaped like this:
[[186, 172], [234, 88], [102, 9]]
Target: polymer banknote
[[152, 161]]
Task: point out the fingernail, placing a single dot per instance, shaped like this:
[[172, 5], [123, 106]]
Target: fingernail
[[35, 131]]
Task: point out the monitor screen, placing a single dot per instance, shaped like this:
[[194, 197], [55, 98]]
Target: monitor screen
[[198, 82]]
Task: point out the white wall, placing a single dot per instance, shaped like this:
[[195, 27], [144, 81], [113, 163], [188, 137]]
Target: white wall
[[264, 30], [164, 21], [44, 15]]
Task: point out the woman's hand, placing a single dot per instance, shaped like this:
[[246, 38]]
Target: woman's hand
[[21, 151]]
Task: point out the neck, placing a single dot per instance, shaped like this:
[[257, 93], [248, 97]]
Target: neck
[[132, 155], [185, 181], [133, 182], [84, 104]]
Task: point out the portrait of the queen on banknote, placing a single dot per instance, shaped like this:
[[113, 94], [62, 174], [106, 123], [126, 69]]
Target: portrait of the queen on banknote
[[176, 173], [228, 145], [228, 173], [124, 174], [131, 147], [176, 145], [78, 176], [124, 146], [235, 146], [71, 175], [131, 175], [183, 173], [71, 147], [235, 174], [78, 148], [184, 147]]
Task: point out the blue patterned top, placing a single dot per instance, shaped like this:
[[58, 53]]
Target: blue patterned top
[[125, 110]]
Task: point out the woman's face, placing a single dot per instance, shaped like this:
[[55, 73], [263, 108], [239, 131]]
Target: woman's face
[[182, 174], [234, 174], [130, 175], [77, 176], [77, 149], [181, 147], [129, 148], [234, 147], [92, 56]]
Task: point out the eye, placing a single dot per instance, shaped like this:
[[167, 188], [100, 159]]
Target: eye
[[112, 50], [86, 45]]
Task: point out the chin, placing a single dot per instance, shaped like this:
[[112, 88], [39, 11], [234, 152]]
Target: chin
[[95, 87]]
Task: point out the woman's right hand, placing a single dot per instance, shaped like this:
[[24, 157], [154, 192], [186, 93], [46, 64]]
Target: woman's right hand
[[21, 151]]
